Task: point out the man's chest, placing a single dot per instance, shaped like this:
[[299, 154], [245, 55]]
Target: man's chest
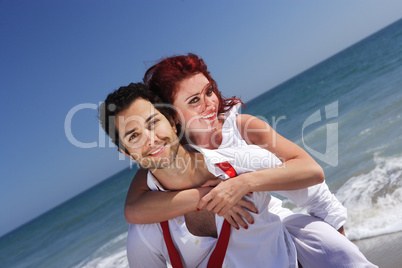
[[201, 223]]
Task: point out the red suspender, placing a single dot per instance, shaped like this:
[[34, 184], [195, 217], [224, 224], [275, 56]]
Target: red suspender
[[173, 254], [218, 255]]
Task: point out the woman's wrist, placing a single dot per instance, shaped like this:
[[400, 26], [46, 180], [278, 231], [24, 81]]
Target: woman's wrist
[[245, 181]]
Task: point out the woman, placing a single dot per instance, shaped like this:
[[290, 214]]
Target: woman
[[211, 122]]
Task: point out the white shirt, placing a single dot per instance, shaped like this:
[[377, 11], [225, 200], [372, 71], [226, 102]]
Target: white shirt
[[266, 243], [317, 199], [146, 247]]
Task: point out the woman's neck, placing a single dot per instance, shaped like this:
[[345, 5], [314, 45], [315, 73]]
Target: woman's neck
[[211, 139]]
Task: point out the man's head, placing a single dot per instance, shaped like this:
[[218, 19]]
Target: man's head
[[140, 125]]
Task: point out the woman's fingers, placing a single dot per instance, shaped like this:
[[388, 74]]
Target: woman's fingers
[[205, 200], [215, 207], [215, 203], [231, 221], [245, 214], [215, 198], [236, 217], [243, 207], [248, 205], [235, 220]]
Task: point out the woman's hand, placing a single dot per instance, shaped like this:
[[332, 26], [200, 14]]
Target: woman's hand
[[226, 199], [238, 214]]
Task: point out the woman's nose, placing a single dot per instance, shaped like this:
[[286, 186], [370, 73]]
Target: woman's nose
[[206, 102]]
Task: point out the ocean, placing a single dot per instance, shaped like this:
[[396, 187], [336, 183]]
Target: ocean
[[346, 112]]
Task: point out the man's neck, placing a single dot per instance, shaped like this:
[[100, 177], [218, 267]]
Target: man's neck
[[189, 170]]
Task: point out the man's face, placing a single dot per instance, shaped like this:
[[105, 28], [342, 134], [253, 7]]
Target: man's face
[[147, 135]]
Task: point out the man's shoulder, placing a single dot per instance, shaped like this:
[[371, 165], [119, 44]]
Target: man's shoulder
[[153, 183], [149, 235]]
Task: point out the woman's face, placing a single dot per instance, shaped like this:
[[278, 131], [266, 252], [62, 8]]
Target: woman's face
[[197, 105]]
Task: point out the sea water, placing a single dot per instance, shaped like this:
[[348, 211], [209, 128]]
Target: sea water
[[86, 231], [346, 112]]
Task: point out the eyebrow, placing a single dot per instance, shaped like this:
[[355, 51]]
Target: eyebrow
[[192, 96], [206, 86], [134, 129]]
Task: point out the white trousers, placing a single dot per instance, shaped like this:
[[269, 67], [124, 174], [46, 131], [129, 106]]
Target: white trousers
[[319, 245]]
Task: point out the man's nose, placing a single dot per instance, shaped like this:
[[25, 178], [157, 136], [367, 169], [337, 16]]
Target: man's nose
[[150, 137]]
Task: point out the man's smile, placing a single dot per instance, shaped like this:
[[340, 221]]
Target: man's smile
[[157, 151]]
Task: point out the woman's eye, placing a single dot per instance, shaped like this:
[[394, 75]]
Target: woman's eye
[[194, 100], [210, 91]]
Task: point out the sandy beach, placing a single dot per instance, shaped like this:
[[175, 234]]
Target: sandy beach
[[384, 251]]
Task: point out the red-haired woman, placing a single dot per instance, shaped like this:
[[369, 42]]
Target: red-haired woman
[[210, 121]]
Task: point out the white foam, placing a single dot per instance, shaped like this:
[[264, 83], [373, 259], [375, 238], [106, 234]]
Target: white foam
[[363, 132], [105, 257], [118, 259], [374, 200]]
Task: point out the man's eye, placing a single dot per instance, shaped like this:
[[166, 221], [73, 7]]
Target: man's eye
[[194, 100], [133, 136], [152, 123]]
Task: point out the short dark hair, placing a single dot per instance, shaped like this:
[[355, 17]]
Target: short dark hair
[[120, 100]]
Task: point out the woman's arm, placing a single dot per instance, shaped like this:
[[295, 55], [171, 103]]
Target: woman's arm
[[318, 200], [298, 171], [144, 206]]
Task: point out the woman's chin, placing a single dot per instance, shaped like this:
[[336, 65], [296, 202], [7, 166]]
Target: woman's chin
[[210, 125]]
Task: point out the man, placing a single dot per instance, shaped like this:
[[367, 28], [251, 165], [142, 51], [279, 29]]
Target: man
[[197, 239]]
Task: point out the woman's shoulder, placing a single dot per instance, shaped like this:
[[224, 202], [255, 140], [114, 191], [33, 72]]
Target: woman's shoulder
[[250, 120], [245, 121], [251, 127]]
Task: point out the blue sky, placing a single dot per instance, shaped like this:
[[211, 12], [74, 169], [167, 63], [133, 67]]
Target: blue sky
[[59, 56]]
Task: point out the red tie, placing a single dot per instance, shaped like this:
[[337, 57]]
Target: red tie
[[218, 255]]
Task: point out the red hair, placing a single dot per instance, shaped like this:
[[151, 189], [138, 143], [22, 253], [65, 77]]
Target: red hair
[[164, 77]]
